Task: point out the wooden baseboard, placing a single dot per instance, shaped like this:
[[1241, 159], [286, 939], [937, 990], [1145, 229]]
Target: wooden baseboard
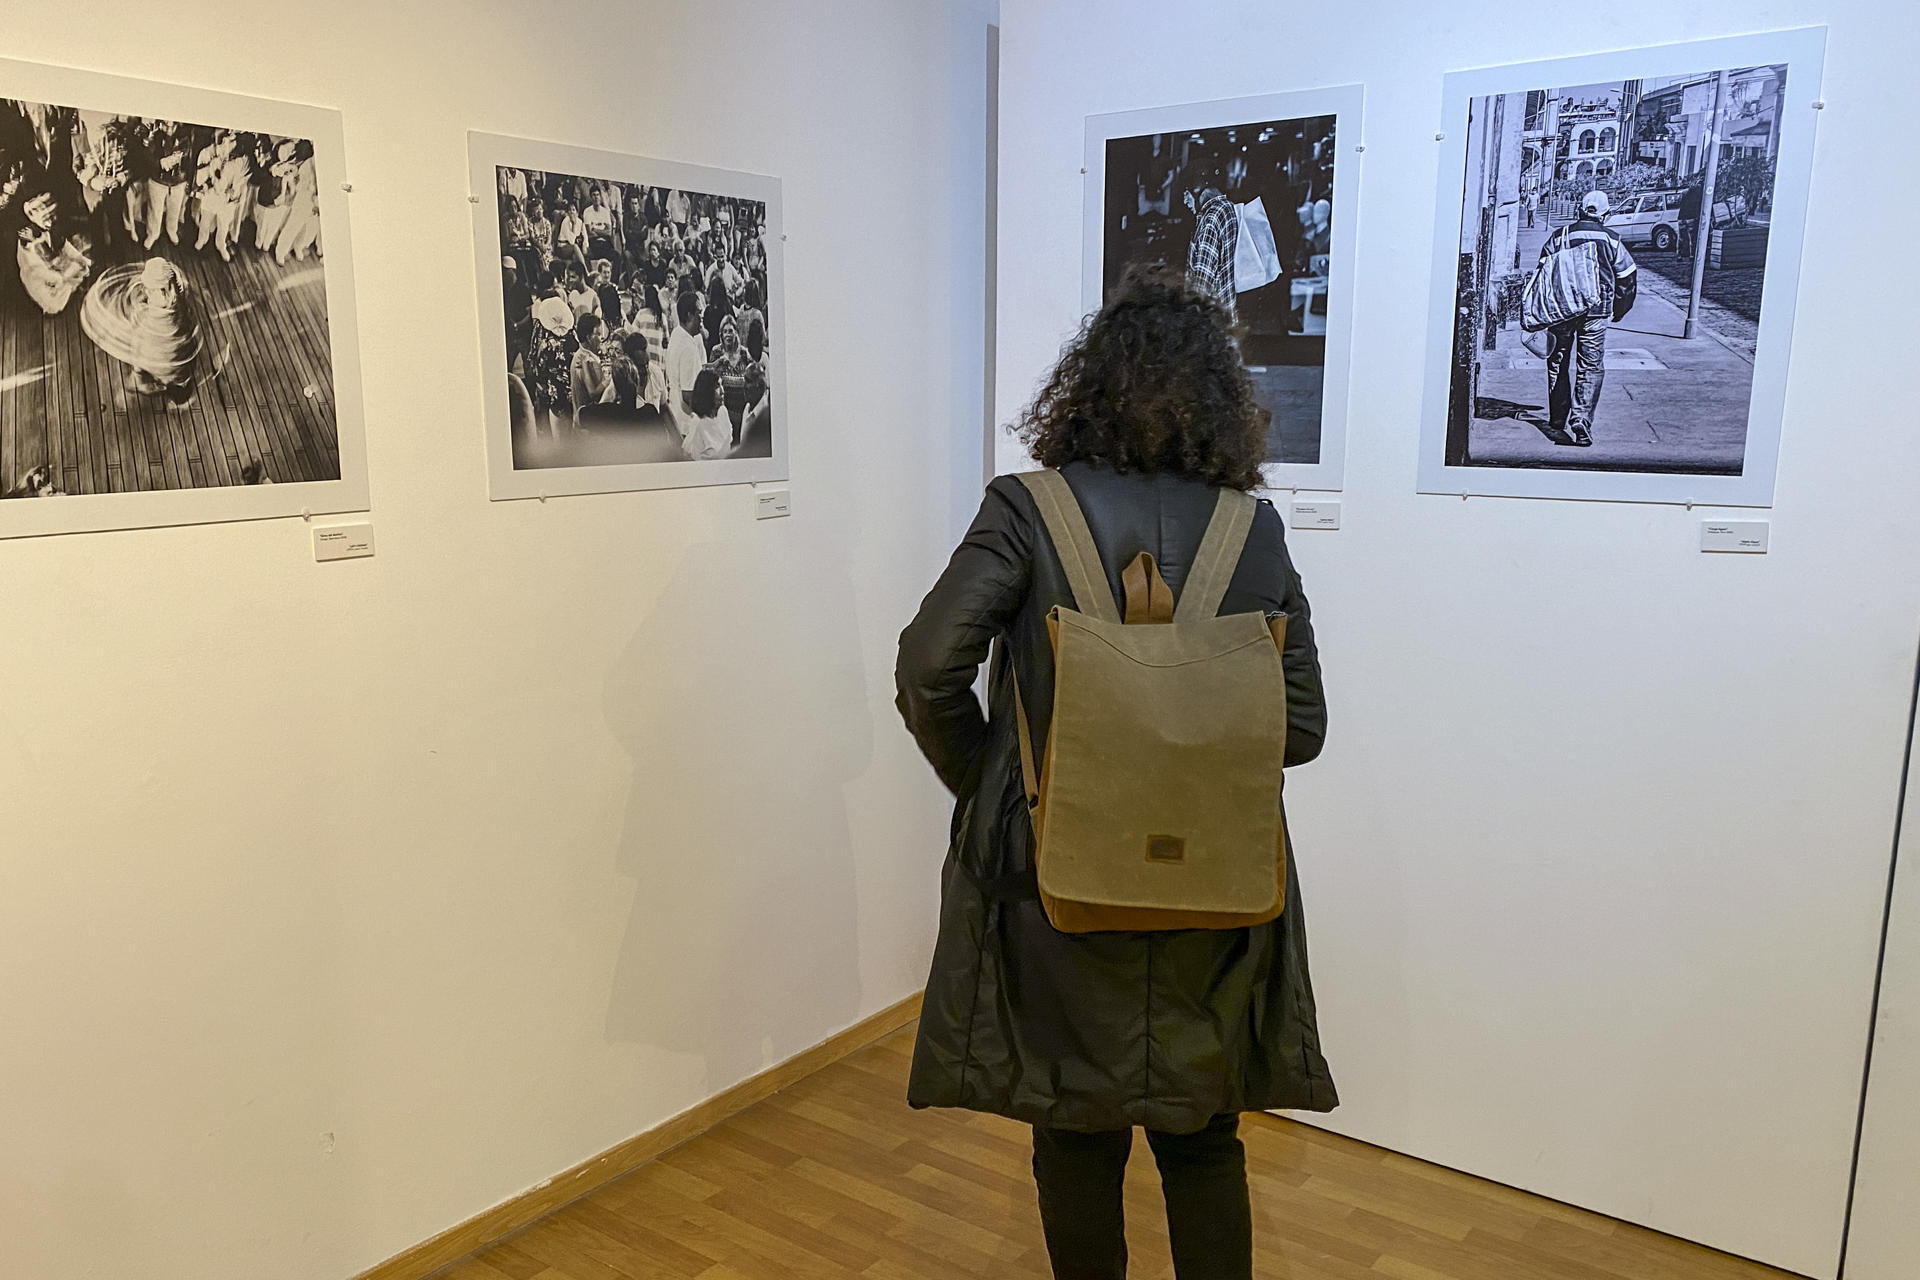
[[537, 1202]]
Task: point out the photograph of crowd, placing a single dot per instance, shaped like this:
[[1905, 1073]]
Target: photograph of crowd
[[163, 312], [636, 322], [1246, 211], [1611, 304]]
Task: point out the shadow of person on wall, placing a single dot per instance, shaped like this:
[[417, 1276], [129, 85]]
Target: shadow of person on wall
[[743, 704]]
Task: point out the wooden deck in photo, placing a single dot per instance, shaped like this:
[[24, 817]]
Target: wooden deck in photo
[[264, 389]]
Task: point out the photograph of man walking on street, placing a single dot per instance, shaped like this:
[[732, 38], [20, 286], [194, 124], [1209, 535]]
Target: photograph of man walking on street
[[1586, 282], [1612, 264]]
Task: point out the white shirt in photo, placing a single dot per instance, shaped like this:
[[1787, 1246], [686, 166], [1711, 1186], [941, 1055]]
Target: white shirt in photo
[[705, 438], [686, 357]]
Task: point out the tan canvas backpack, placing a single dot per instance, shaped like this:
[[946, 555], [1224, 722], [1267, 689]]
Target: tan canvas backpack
[[1158, 803]]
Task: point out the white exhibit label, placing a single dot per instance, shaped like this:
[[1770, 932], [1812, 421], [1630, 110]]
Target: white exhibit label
[[1316, 515], [342, 541], [1749, 536], [770, 504]]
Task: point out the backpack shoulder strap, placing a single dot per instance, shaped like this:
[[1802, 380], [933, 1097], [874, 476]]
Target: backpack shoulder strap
[[1067, 526], [1218, 557]]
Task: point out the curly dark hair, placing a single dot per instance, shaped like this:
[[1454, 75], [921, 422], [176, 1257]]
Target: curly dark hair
[[1152, 383]]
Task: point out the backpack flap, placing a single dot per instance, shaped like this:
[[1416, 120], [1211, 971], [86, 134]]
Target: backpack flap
[[1161, 765]]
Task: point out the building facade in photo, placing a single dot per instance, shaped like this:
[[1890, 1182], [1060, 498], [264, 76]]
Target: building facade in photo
[[1670, 125]]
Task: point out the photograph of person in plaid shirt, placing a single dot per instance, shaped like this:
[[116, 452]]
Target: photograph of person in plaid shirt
[[1216, 237], [1178, 201]]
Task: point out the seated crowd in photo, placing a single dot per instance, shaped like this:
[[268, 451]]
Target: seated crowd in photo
[[628, 304], [85, 191]]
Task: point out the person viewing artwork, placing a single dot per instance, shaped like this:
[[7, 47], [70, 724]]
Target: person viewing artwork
[[160, 258], [673, 280], [1149, 416]]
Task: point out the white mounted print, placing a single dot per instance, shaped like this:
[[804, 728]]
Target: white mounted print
[[177, 341], [632, 321], [1616, 261], [1255, 200]]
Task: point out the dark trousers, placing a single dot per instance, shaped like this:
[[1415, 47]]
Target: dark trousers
[[1204, 1178], [111, 243], [1576, 368]]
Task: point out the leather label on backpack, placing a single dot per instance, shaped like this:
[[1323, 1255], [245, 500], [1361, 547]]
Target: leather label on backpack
[[1166, 849]]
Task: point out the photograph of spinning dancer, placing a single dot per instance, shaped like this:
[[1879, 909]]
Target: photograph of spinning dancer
[[164, 324]]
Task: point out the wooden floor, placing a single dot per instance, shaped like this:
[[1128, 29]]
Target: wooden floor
[[64, 402], [836, 1177]]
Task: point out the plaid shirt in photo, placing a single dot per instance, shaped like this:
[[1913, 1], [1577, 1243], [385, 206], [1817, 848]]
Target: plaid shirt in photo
[[1216, 238]]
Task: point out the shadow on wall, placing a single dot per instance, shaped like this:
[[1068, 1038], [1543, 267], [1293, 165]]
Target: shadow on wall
[[742, 702]]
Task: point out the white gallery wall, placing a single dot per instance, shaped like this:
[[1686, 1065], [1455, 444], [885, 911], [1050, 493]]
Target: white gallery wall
[[343, 901], [1884, 1243], [1595, 861]]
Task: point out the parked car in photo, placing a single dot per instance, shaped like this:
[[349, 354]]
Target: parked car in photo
[[1652, 217]]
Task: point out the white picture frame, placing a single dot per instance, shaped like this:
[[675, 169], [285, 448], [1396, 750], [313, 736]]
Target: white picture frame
[[488, 153], [287, 495], [1802, 52], [1346, 104]]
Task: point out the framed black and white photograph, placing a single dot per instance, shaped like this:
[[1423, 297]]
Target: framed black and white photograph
[[1618, 243], [1253, 200], [632, 326], [177, 340]]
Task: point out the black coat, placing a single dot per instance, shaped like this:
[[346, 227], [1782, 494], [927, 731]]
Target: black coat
[[1107, 1030]]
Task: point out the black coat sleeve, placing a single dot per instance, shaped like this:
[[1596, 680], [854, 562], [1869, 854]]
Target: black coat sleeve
[[1306, 697], [941, 650], [1266, 572]]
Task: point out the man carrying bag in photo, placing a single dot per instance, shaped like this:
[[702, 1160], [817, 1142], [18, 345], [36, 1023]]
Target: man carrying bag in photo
[[1213, 252], [1586, 280]]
